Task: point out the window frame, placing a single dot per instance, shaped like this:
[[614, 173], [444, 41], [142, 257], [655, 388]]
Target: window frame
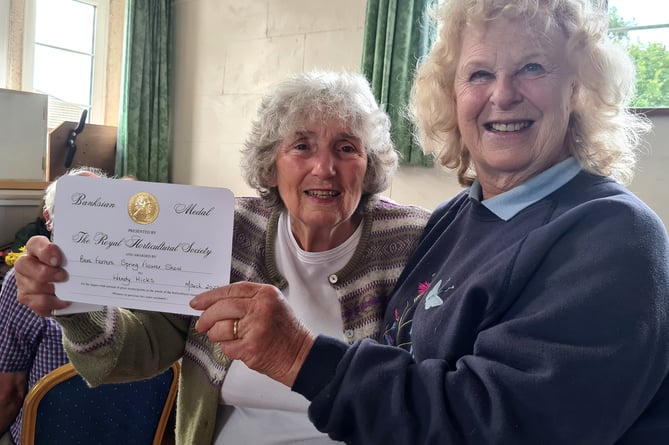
[[4, 42], [98, 96]]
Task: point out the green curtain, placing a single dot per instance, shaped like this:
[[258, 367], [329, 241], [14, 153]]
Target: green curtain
[[142, 148], [397, 34]]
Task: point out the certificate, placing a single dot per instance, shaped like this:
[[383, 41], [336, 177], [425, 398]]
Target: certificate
[[141, 245]]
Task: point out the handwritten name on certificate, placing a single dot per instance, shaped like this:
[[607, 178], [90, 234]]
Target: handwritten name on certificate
[[142, 245]]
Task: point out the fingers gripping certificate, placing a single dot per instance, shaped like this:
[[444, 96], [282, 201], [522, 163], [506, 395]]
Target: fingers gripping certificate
[[142, 245]]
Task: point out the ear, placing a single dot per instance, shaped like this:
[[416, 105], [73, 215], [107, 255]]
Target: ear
[[47, 218]]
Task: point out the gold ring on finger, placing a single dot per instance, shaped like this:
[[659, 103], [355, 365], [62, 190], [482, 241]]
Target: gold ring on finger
[[235, 329]]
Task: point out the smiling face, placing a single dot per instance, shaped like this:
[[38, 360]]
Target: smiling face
[[514, 94], [320, 171]]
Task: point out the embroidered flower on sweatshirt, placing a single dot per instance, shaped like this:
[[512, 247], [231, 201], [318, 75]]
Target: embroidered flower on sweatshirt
[[399, 332]]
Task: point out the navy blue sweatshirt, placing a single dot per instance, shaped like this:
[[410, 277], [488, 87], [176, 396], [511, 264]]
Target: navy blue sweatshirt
[[551, 327]]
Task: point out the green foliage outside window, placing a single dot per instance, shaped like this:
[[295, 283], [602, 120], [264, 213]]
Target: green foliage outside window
[[652, 63]]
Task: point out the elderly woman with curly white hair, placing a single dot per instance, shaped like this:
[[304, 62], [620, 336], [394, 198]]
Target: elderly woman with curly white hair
[[319, 153]]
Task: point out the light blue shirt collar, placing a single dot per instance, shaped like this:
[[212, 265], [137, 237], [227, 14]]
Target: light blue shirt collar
[[508, 204]]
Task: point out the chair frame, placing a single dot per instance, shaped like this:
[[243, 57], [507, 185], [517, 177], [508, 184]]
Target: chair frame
[[66, 372]]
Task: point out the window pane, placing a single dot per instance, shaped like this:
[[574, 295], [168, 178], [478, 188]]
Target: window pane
[[649, 47], [65, 23], [641, 12], [60, 111], [63, 74]]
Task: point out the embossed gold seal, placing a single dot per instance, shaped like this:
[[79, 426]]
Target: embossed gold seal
[[143, 208]]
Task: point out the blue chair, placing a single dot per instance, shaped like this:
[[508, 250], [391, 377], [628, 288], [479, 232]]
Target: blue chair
[[62, 409]]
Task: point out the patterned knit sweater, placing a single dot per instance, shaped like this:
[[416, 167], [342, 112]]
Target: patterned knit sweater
[[118, 345]]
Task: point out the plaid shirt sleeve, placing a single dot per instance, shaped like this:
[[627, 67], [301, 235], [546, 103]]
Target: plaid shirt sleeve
[[21, 330], [28, 342]]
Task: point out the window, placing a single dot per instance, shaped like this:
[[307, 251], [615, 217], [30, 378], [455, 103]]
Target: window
[[642, 27], [65, 56]]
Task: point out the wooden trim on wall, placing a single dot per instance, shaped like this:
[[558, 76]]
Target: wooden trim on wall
[[23, 185]]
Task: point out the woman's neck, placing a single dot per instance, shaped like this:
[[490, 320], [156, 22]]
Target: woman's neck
[[323, 238]]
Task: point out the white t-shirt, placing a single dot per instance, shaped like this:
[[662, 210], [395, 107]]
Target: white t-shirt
[[256, 409]]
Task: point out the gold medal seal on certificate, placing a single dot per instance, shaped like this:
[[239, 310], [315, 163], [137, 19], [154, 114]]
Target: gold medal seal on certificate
[[143, 208]]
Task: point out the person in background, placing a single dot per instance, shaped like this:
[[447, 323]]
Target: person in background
[[319, 154], [536, 307], [30, 346]]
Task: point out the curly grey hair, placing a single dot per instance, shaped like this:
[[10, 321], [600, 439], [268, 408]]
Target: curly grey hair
[[343, 96], [603, 135]]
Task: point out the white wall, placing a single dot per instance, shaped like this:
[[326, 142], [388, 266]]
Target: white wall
[[651, 182], [228, 52]]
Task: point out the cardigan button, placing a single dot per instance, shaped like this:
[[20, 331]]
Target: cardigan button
[[333, 279], [349, 333]]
